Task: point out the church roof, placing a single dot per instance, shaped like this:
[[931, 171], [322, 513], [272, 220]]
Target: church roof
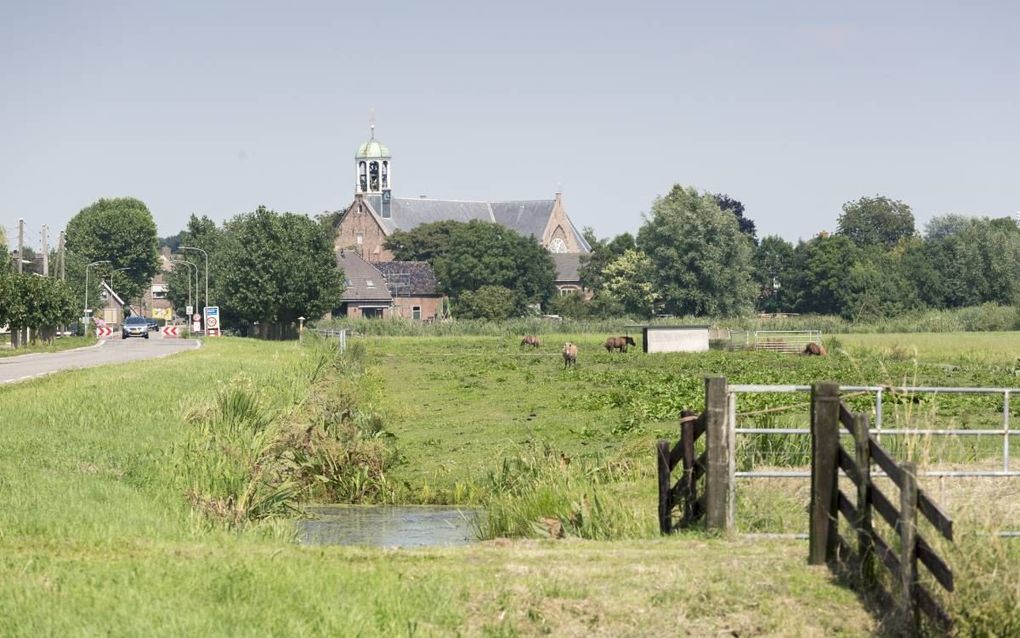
[[567, 265], [527, 217]]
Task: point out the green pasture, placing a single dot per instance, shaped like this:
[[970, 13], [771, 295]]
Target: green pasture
[[97, 536]]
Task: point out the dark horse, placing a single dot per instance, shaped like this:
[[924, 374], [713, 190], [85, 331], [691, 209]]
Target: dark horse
[[531, 340], [815, 349], [618, 343]]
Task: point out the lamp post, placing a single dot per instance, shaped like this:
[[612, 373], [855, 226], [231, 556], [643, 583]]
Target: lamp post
[[206, 278], [190, 265], [86, 308]]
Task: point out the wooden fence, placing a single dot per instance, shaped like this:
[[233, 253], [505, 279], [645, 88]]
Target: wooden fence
[[704, 490], [828, 502]]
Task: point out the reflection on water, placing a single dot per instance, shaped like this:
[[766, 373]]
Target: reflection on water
[[388, 526]]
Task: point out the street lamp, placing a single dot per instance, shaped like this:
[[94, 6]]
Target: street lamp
[[206, 277], [86, 308], [190, 265]]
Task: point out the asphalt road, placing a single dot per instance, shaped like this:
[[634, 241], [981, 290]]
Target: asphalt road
[[115, 350]]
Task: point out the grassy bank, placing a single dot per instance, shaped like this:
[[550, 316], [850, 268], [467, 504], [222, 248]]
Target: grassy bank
[[58, 344]]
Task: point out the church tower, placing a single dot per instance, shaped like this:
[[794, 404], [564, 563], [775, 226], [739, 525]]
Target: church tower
[[374, 171]]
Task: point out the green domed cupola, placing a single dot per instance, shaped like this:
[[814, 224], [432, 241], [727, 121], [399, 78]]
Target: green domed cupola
[[372, 163]]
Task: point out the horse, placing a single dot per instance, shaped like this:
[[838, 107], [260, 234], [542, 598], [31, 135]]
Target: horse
[[815, 349], [569, 354], [531, 340], [618, 343]]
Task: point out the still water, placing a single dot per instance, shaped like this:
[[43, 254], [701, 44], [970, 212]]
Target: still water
[[388, 526]]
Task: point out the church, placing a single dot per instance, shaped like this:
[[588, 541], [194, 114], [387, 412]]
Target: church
[[375, 213]]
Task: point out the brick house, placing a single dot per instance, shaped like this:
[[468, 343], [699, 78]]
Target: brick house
[[388, 289]]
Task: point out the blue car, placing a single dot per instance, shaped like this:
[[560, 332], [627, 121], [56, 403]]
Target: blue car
[[134, 326]]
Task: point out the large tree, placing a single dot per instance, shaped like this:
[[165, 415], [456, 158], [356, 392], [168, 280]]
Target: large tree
[[200, 232], [467, 256], [603, 252], [821, 274], [276, 267], [701, 259], [736, 207], [876, 221], [121, 231], [773, 274]]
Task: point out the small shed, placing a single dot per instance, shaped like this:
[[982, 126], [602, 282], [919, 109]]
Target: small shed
[[661, 338]]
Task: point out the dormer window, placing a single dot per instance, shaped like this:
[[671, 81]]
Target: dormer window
[[369, 283]]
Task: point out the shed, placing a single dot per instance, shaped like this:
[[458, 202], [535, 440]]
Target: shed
[[660, 338]]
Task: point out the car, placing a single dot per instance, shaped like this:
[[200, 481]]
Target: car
[[153, 324], [134, 326]]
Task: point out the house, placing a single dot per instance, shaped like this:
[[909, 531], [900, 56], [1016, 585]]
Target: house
[[388, 289], [112, 308], [155, 303], [375, 213]]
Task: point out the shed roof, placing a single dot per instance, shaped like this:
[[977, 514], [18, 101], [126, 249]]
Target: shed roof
[[364, 281], [409, 278]]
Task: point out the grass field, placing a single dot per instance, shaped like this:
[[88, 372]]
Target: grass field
[[97, 537], [61, 343]]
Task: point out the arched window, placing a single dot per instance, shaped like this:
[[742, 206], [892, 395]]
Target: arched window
[[385, 174], [373, 176], [362, 177], [557, 245]]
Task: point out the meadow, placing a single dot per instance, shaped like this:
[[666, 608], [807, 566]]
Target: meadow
[[115, 485]]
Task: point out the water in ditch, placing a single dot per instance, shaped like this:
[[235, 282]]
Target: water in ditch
[[388, 526]]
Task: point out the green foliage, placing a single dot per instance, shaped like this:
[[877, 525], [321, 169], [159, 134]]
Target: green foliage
[[629, 280], [121, 231], [603, 252], [701, 259], [821, 274], [467, 256], [774, 274], [31, 301], [201, 232], [876, 221], [274, 268], [488, 302]]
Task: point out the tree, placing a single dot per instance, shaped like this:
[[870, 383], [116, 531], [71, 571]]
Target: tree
[[39, 303], [200, 232], [736, 207], [488, 302], [603, 252], [274, 268], [629, 280], [969, 261], [467, 256], [773, 274], [701, 261], [876, 221], [822, 269], [121, 231]]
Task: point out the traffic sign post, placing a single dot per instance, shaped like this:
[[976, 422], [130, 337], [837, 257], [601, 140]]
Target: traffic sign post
[[169, 332], [196, 322], [212, 321]]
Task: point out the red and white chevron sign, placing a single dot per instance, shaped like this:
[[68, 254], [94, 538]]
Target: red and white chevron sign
[[104, 331], [169, 331]]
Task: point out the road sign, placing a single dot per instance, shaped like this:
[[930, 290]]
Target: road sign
[[104, 331], [169, 331], [188, 310], [212, 321]]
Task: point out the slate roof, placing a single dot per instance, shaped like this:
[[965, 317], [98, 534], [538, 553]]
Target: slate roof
[[359, 274], [527, 217], [567, 265], [409, 278]]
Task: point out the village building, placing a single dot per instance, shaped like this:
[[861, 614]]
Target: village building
[[375, 213], [405, 289]]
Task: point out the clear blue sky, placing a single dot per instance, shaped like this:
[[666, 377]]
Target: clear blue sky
[[791, 107]]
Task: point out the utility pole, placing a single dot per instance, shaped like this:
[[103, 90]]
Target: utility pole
[[21, 243], [45, 252], [60, 257]]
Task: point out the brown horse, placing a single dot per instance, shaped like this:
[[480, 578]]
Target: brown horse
[[815, 349], [618, 343], [569, 354], [531, 340]]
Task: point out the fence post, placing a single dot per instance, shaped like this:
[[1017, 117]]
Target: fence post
[[689, 490], [865, 546], [665, 502], [718, 495], [908, 543], [824, 443]]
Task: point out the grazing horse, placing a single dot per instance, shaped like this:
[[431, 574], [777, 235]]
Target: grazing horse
[[569, 354], [531, 340], [815, 349], [618, 343]]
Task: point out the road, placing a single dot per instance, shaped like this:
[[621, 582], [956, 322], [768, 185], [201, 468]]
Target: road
[[115, 350]]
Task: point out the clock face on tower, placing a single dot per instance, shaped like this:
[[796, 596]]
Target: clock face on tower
[[386, 196]]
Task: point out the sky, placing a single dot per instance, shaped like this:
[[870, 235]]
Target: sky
[[794, 108]]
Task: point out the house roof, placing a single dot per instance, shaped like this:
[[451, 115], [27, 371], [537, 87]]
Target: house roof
[[364, 281], [567, 265], [409, 278], [111, 292]]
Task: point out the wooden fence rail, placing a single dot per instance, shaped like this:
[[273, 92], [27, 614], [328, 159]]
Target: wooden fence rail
[[828, 502]]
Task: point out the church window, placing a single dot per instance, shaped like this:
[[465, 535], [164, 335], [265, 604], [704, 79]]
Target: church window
[[557, 245], [362, 177], [373, 176], [385, 174]]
